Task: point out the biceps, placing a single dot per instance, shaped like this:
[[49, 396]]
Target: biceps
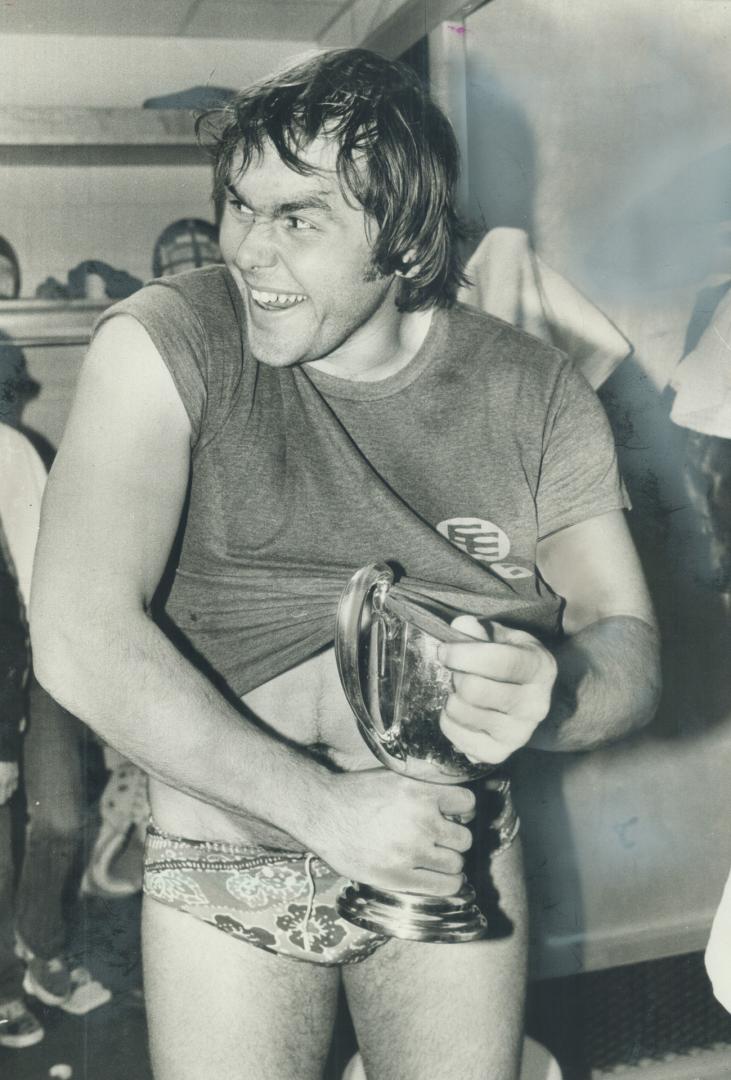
[[115, 493], [594, 566]]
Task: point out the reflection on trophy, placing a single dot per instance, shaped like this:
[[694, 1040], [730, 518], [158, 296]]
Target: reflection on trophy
[[386, 649]]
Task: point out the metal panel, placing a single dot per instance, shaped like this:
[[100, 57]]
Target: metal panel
[[392, 26], [288, 21]]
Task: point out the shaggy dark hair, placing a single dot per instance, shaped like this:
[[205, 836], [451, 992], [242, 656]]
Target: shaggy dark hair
[[397, 156]]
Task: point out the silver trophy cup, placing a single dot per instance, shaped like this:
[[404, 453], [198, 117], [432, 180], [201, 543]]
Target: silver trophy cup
[[386, 650]]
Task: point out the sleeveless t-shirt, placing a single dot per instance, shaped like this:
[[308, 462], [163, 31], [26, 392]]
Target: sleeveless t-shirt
[[450, 470]]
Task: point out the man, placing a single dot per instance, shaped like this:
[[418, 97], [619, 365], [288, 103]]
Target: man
[[33, 920], [318, 404], [18, 1026]]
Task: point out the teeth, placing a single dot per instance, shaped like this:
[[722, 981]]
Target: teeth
[[281, 299]]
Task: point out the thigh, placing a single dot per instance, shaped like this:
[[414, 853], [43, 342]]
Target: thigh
[[221, 1008], [428, 1011]]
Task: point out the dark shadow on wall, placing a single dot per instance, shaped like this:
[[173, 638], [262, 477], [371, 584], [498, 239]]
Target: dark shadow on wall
[[677, 236], [502, 154], [655, 456]]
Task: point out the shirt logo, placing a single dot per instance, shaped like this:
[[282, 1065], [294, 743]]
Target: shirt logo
[[479, 538]]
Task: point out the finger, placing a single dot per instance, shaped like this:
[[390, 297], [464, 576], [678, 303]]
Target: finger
[[509, 635], [460, 839], [514, 728], [457, 802], [453, 834], [428, 883], [503, 697], [461, 819], [503, 727], [445, 860], [468, 624], [502, 662], [478, 746], [419, 880]]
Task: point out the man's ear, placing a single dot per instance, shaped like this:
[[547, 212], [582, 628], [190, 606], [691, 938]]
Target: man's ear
[[408, 258]]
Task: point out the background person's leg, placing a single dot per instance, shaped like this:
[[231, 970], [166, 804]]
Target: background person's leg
[[425, 1012], [11, 969], [53, 775], [221, 1008], [18, 1026]]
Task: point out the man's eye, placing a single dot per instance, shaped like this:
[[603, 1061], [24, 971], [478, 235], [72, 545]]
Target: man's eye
[[238, 208], [299, 224]]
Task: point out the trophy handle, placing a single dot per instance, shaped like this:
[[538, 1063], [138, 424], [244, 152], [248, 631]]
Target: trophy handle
[[352, 623]]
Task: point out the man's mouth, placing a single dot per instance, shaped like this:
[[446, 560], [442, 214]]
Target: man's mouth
[[276, 301]]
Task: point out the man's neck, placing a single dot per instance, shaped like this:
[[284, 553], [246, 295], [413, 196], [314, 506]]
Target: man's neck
[[380, 348]]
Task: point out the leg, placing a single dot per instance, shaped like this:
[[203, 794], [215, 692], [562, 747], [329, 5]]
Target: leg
[[54, 787], [11, 969], [224, 1008], [428, 1011]]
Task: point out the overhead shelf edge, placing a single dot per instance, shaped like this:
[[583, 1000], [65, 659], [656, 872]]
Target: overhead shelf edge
[[28, 126], [24, 323]]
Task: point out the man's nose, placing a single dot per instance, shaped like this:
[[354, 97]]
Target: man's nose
[[256, 247]]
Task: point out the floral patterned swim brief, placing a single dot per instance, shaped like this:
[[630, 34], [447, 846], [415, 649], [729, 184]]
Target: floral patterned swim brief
[[281, 901], [285, 901]]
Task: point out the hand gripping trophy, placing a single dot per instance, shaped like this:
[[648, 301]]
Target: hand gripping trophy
[[386, 650]]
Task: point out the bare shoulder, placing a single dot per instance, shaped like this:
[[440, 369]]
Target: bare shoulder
[[122, 366], [126, 404], [116, 490]]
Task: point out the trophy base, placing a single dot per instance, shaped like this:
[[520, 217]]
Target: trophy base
[[414, 918]]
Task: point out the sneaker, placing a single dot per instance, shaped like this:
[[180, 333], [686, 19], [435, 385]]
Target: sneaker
[[87, 993], [18, 1027], [48, 980], [74, 990]]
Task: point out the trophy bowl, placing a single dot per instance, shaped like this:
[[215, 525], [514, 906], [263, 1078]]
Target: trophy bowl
[[386, 651]]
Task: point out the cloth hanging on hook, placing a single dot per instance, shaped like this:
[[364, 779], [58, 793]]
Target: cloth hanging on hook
[[509, 280]]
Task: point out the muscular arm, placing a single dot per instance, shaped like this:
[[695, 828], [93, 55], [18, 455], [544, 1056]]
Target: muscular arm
[[608, 681], [110, 514], [601, 682], [111, 510]]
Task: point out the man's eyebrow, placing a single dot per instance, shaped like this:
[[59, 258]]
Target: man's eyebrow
[[315, 201], [232, 191], [307, 202]]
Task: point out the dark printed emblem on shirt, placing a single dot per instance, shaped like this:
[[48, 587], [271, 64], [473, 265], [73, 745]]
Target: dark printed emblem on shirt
[[484, 541]]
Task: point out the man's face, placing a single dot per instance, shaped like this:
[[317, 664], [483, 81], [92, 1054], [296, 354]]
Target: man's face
[[301, 257]]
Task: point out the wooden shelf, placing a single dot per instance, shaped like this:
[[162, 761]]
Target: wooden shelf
[[24, 323], [96, 127]]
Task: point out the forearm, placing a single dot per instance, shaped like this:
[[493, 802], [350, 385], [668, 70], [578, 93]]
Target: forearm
[[608, 685], [124, 679]]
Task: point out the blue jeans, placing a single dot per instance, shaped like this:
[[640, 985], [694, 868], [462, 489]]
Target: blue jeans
[[52, 772]]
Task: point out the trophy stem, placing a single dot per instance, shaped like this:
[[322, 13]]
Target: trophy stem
[[444, 919]]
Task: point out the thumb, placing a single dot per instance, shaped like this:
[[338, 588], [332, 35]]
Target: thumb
[[507, 635], [468, 624]]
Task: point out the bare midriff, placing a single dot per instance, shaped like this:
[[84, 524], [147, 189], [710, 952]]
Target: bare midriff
[[305, 705]]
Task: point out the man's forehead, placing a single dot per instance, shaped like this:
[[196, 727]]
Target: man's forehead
[[268, 185], [320, 155]]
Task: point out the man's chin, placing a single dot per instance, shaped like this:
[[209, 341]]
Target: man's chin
[[269, 353]]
